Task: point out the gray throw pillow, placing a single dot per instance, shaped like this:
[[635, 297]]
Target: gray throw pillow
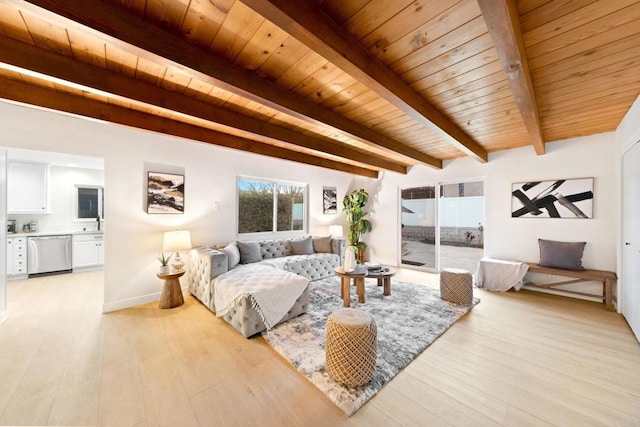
[[322, 245], [567, 255], [249, 252], [233, 254], [302, 246]]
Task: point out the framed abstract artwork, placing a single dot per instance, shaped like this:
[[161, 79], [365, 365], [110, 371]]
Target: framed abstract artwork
[[562, 198], [329, 200], [165, 193]]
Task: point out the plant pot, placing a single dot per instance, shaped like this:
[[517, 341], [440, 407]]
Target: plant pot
[[164, 269]]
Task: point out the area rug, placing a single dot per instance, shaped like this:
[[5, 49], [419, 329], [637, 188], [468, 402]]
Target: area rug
[[408, 321]]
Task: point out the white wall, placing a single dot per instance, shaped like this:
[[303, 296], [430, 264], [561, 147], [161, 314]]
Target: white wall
[[133, 237], [516, 238], [628, 132], [62, 193]]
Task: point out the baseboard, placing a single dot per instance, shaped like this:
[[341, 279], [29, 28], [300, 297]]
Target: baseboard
[[3, 316], [132, 302]]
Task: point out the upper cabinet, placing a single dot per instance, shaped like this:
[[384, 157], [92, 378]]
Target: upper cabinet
[[27, 188]]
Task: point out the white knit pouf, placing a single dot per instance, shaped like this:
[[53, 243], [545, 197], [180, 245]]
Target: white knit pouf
[[351, 346], [456, 285]]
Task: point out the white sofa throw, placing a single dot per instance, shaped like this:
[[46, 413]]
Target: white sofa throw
[[272, 291]]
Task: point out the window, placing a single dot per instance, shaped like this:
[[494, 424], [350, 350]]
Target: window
[[266, 206], [89, 202]]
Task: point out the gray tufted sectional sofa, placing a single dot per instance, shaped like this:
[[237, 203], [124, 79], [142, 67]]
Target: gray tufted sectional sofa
[[207, 263]]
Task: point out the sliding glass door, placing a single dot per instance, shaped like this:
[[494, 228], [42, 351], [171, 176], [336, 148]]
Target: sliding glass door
[[418, 227], [442, 225], [461, 213]]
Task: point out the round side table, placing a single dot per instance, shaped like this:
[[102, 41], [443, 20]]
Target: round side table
[[171, 292]]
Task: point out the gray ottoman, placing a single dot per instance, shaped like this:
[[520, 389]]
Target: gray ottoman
[[351, 346], [456, 285]]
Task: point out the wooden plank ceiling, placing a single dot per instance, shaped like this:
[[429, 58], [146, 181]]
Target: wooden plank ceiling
[[359, 86]]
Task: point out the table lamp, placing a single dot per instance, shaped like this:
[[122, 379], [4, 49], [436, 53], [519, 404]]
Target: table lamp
[[336, 230], [179, 240]]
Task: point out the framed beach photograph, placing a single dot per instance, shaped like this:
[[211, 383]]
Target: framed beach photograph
[[329, 200], [562, 198], [165, 193]]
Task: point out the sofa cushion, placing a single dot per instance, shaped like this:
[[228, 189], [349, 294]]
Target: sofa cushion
[[275, 248], [313, 267], [322, 245], [302, 246], [249, 252], [232, 253], [567, 255]]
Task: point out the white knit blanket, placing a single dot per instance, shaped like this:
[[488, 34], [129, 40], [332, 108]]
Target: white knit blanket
[[272, 291], [500, 275]]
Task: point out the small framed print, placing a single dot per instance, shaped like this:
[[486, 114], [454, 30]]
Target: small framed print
[[329, 200]]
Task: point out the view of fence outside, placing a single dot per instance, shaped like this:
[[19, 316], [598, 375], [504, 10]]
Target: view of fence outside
[[256, 203]]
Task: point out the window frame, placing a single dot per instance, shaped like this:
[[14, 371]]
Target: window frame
[[275, 183], [76, 188]]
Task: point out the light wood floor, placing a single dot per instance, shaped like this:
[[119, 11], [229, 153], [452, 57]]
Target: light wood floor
[[517, 359]]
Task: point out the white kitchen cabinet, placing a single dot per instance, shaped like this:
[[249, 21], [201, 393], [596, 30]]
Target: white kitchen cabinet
[[27, 188], [88, 250], [16, 256]]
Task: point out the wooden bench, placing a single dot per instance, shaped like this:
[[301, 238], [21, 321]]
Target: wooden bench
[[607, 278]]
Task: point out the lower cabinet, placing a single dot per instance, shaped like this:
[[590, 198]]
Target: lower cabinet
[[16, 256], [88, 250]]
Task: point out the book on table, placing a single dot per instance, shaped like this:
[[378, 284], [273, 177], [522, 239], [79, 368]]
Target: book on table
[[373, 266]]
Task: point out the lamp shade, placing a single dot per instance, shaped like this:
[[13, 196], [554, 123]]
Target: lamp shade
[[178, 240], [336, 230]]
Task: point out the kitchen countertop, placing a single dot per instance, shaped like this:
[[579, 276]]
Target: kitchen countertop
[[54, 233]]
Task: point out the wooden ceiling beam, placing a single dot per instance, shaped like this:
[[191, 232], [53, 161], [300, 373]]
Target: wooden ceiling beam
[[46, 98], [307, 23], [503, 23], [136, 36], [65, 69]]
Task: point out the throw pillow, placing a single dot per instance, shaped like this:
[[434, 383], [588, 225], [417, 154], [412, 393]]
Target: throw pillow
[[302, 246], [233, 254], [322, 244], [249, 252], [567, 255]]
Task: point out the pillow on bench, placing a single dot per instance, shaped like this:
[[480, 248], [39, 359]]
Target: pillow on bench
[[567, 255]]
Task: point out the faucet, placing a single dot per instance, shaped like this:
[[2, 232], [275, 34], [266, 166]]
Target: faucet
[[98, 219]]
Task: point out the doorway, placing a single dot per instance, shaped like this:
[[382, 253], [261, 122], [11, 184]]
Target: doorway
[[442, 225], [51, 209]]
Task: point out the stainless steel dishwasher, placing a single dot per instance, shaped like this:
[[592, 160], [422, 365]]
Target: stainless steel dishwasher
[[48, 254]]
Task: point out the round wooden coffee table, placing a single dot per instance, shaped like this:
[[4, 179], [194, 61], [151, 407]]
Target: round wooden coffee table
[[358, 280], [384, 278], [171, 292]]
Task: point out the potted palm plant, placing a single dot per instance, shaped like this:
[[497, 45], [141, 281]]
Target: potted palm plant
[[353, 206]]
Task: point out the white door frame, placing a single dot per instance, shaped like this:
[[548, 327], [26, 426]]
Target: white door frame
[[3, 235], [630, 243]]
